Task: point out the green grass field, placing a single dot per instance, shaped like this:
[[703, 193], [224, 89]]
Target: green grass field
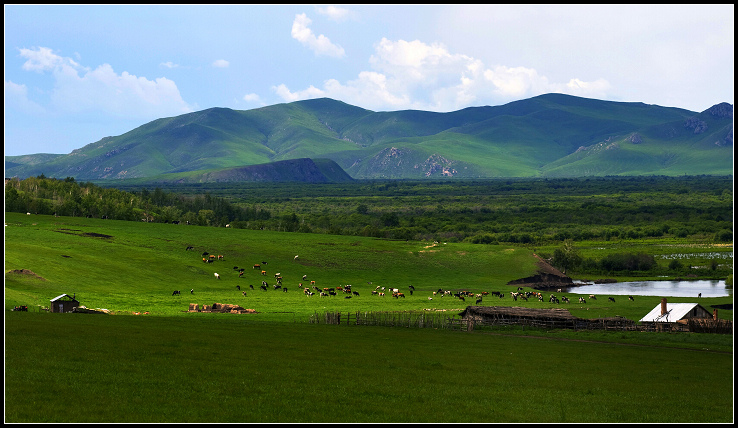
[[174, 366]]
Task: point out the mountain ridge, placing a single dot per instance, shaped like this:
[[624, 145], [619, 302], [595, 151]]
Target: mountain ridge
[[551, 135]]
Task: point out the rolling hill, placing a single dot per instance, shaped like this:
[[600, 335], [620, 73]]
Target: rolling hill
[[551, 135]]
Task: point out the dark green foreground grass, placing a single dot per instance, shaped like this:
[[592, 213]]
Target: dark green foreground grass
[[216, 368]]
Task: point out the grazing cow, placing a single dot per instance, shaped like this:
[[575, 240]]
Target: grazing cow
[[630, 298], [558, 290], [284, 289], [581, 300], [430, 298], [220, 257], [381, 294], [176, 293], [192, 291], [478, 301], [312, 282], [264, 272], [189, 248], [592, 296], [295, 257], [251, 286], [175, 221], [263, 287], [238, 287], [216, 275], [205, 254], [611, 299], [304, 277], [240, 274], [347, 297], [228, 225], [244, 293], [211, 257], [257, 267], [356, 293]]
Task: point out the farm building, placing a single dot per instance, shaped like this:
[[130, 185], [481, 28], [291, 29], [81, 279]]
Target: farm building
[[676, 312], [63, 303]]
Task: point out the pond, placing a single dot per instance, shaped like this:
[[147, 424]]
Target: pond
[[708, 288]]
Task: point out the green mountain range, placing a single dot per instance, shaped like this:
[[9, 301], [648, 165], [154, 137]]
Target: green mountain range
[[552, 135]]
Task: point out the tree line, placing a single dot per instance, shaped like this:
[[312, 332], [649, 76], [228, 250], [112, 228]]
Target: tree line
[[67, 197], [517, 211]]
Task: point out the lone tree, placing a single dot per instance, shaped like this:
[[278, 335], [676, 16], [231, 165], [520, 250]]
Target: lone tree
[[567, 257]]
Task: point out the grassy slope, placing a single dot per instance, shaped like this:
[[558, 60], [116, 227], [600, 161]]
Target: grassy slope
[[142, 264], [138, 268]]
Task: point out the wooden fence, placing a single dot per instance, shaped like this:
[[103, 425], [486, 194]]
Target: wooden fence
[[412, 319], [443, 320], [695, 326]]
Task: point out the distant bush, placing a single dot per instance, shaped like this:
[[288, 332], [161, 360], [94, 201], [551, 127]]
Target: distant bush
[[627, 262]]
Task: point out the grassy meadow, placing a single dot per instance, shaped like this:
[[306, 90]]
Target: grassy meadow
[[168, 365]]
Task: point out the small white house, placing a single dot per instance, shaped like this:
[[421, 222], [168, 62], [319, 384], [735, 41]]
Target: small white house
[[674, 312]]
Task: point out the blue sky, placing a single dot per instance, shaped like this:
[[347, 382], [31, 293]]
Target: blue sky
[[76, 73]]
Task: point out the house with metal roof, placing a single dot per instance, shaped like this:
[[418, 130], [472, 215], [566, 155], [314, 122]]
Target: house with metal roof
[[676, 312], [63, 303]]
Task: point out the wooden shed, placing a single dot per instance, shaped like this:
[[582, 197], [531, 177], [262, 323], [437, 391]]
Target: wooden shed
[[63, 303]]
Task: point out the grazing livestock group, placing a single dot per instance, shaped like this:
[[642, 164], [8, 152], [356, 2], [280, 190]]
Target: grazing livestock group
[[309, 287]]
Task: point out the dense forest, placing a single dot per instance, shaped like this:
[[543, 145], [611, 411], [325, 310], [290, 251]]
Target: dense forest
[[521, 211]]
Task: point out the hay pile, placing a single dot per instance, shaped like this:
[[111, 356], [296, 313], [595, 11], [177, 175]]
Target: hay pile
[[221, 308]]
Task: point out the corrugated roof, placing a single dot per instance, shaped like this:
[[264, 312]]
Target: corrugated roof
[[674, 312], [59, 297]]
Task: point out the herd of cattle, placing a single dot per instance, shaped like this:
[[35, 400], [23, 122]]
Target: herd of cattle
[[312, 289]]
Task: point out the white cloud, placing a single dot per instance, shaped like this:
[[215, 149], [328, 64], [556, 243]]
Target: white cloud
[[221, 63], [321, 45], [43, 59], [417, 75], [253, 98], [79, 89], [16, 96], [311, 92], [169, 64], [334, 12]]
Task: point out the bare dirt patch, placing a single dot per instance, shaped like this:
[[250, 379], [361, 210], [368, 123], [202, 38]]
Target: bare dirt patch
[[25, 272], [87, 234], [96, 235]]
